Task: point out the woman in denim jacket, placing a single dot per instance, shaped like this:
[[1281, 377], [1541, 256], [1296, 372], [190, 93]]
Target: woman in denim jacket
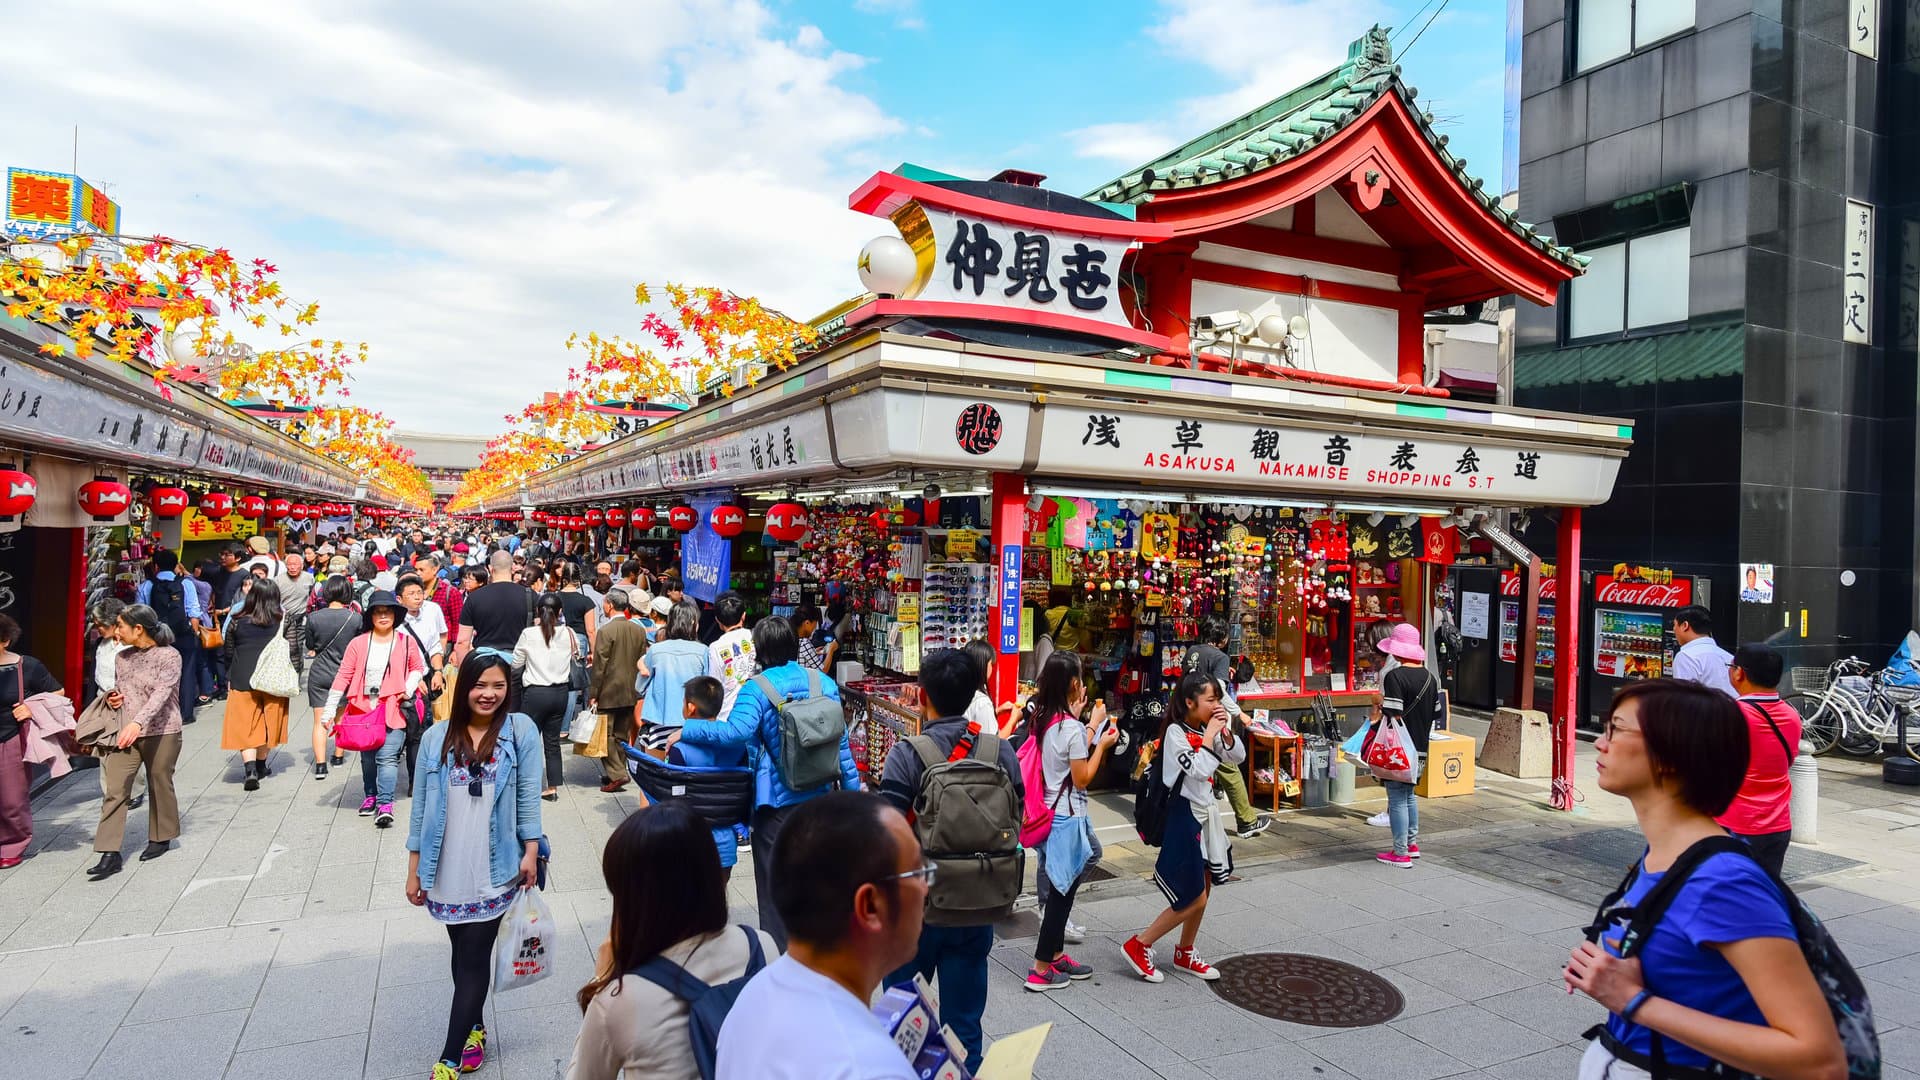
[[474, 837], [669, 662]]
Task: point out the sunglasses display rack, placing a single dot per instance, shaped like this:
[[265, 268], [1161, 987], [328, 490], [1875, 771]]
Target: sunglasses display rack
[[956, 602]]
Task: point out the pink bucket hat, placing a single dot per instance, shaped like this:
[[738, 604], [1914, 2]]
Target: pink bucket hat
[[1404, 642]]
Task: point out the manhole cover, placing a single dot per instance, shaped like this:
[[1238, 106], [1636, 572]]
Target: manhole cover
[[1306, 989]]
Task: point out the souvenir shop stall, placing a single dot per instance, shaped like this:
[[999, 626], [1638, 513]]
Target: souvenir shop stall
[[100, 470], [1200, 390]]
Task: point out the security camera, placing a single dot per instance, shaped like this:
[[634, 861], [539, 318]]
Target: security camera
[[1224, 322], [930, 493]]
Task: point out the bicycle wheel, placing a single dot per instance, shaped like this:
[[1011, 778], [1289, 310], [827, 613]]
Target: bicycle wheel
[[1819, 720]]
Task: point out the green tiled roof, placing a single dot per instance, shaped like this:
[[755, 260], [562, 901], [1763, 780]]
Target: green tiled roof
[[1699, 353], [1300, 120]]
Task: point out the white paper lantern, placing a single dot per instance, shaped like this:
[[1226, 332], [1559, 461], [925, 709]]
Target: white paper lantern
[[887, 266]]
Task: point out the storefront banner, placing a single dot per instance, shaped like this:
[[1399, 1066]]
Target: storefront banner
[[228, 456], [1290, 456], [195, 526], [47, 409], [774, 450], [637, 474], [706, 557], [898, 426]]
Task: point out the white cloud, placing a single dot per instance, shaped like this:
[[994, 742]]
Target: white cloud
[[462, 186], [1258, 49], [905, 13]]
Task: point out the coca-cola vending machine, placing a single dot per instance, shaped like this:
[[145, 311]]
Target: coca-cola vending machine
[[1633, 629], [1513, 608]]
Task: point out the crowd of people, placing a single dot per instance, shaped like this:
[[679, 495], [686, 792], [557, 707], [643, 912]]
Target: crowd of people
[[466, 664]]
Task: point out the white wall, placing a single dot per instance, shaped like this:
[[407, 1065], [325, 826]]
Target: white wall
[[1354, 340]]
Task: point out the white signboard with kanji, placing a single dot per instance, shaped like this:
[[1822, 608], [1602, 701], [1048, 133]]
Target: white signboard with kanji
[[1292, 456], [979, 260], [1856, 283]]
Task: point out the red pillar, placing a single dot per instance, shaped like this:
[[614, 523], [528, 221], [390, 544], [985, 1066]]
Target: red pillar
[[1566, 657], [1413, 341], [1009, 528]]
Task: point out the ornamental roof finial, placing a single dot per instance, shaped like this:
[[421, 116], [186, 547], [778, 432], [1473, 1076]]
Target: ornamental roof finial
[[1370, 52]]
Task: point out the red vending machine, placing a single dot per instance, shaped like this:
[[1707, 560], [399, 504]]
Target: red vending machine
[[1513, 609], [1632, 633]]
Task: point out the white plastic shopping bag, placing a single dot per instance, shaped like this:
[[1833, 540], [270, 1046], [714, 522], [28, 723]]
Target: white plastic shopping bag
[[1391, 753], [523, 953], [584, 722]]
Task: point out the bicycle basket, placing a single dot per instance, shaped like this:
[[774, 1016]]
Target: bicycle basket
[[1810, 680]]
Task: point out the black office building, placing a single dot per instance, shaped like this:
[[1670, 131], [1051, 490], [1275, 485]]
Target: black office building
[[1742, 174]]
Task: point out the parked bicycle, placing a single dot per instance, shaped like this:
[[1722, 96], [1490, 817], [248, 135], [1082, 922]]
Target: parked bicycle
[[1850, 705]]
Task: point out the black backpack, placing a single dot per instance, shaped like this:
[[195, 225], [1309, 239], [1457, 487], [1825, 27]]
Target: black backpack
[[707, 1004], [1846, 995], [170, 603], [1150, 799]]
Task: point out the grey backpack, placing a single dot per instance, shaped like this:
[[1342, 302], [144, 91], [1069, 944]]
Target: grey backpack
[[810, 732], [967, 816]]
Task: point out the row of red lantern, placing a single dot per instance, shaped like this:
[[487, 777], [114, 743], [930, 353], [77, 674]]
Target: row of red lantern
[[785, 521], [104, 499]]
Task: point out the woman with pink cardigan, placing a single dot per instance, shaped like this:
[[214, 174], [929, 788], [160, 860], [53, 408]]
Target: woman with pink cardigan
[[382, 670]]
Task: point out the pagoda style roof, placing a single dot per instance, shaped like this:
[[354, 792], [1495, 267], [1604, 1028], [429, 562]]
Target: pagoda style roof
[[1279, 138]]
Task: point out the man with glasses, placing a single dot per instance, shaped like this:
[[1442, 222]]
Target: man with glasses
[[956, 941], [851, 885]]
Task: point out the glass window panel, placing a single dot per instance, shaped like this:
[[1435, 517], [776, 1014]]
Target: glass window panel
[[1606, 31], [1655, 19], [1597, 300], [1657, 278]]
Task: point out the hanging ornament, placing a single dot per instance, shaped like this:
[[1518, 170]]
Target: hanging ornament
[[167, 502], [616, 516], [17, 492], [787, 521], [252, 506], [727, 521], [643, 518], [300, 512], [104, 498], [278, 508], [682, 518], [595, 518]]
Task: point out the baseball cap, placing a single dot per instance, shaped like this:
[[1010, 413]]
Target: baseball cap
[[661, 605]]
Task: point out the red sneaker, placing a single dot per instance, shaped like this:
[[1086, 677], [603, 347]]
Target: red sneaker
[[1413, 851], [1186, 961], [1140, 959], [1404, 862]]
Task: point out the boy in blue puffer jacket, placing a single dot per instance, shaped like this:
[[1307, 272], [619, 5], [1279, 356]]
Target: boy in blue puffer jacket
[[704, 695]]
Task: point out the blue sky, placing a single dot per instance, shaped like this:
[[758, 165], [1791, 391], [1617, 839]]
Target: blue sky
[[462, 186]]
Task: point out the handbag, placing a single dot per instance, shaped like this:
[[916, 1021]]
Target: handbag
[[361, 730], [273, 673], [211, 637]]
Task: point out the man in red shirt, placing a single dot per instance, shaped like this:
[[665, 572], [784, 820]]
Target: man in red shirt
[[1760, 813]]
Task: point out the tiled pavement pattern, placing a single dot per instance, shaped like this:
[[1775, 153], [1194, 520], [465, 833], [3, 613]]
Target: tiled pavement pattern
[[273, 942]]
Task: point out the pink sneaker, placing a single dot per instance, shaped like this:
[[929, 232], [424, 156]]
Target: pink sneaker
[[1185, 960], [1413, 851], [474, 1054], [366, 806], [1140, 959], [1404, 862]]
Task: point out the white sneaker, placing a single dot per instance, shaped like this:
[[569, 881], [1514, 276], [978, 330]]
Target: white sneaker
[[1380, 819], [1075, 933]]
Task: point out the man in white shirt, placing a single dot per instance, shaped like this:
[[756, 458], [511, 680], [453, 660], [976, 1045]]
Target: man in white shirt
[[730, 658], [1700, 659], [853, 910], [428, 623]]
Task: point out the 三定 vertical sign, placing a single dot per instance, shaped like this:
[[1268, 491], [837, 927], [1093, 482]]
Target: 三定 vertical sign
[[1010, 599], [1863, 27], [1856, 288]]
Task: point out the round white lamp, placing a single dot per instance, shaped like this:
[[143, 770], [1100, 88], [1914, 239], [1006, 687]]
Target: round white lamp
[[887, 266]]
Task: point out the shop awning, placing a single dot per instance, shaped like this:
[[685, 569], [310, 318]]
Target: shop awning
[[883, 404], [1700, 353]]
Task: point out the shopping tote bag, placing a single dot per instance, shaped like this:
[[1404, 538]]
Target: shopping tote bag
[[523, 954], [1391, 753]]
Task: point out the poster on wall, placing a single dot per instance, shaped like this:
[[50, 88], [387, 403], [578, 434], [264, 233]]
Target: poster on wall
[[1474, 607], [1756, 583], [706, 557]]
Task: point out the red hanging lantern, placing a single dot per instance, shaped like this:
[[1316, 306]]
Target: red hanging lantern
[[104, 498], [727, 521], [786, 521], [682, 518], [577, 524], [214, 505], [252, 506], [643, 518], [303, 512], [17, 492], [616, 516], [278, 508], [167, 502], [595, 518]]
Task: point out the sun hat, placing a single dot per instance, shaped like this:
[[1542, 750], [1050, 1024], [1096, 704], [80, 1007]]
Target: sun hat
[[382, 598], [661, 605], [1404, 642], [259, 544]]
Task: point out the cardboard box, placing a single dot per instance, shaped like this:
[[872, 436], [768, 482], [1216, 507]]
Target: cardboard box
[[1449, 767], [906, 1019]]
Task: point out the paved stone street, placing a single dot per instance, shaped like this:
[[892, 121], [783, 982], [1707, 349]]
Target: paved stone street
[[274, 941]]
